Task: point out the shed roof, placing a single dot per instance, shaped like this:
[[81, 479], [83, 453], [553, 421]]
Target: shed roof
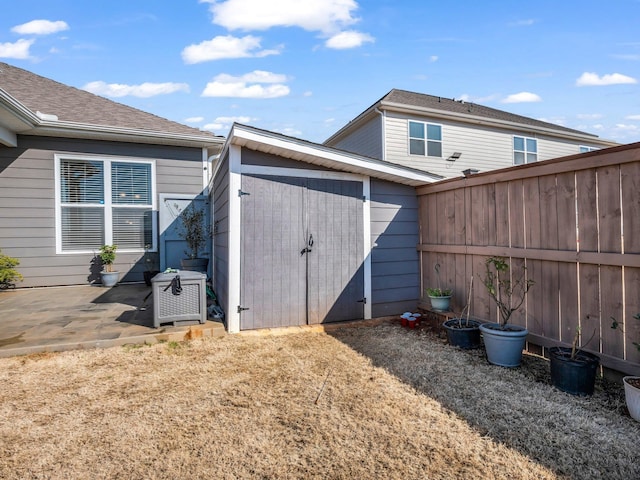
[[328, 157], [36, 105]]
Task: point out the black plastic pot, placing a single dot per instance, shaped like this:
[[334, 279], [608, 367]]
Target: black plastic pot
[[576, 376], [465, 337]]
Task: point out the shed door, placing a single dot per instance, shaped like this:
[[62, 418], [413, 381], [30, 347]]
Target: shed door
[[302, 251]]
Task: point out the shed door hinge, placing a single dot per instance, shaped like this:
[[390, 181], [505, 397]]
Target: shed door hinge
[[363, 300], [241, 309], [241, 193]]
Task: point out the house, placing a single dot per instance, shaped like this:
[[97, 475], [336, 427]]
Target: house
[[447, 136], [78, 171], [307, 234]]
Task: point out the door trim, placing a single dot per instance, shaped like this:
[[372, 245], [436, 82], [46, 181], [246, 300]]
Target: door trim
[[236, 170]]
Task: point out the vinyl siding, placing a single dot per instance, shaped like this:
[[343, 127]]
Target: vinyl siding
[[27, 204], [394, 259], [220, 206], [366, 140], [482, 148]]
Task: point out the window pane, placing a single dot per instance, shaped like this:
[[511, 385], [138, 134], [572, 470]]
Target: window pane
[[518, 158], [532, 157], [518, 143], [131, 183], [416, 147], [532, 145], [81, 182], [82, 228], [434, 149], [416, 130], [132, 227], [434, 132]]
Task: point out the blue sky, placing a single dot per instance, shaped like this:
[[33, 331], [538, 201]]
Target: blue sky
[[305, 68]]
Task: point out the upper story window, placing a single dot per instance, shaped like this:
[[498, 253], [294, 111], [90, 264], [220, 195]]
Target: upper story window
[[525, 150], [104, 201], [425, 139], [585, 149]]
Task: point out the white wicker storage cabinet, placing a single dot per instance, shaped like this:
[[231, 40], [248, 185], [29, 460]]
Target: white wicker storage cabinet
[[179, 297]]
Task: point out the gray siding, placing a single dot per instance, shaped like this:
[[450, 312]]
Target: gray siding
[[27, 204], [395, 272], [220, 207], [482, 148], [366, 140]]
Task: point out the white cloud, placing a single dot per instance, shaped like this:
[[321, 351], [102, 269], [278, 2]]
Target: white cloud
[[18, 50], [308, 93], [40, 27], [143, 90], [487, 99], [523, 23], [433, 58], [625, 127], [225, 123], [589, 116], [225, 46], [193, 119], [522, 97], [588, 79], [632, 57], [290, 131], [632, 117], [327, 16], [348, 39], [248, 85]]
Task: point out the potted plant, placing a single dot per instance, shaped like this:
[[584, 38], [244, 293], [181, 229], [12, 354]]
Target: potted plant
[[508, 289], [631, 383], [151, 264], [107, 257], [194, 232], [440, 297], [8, 272], [462, 331], [572, 369]]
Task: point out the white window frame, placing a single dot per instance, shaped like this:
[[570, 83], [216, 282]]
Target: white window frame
[[587, 149], [525, 151], [108, 204], [426, 138]]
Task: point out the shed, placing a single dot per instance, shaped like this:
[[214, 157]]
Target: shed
[[307, 234]]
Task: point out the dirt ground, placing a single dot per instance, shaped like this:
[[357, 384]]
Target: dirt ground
[[366, 402]]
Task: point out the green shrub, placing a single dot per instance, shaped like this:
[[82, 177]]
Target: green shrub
[[8, 273]]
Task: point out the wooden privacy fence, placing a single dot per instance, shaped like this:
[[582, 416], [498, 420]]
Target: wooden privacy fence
[[574, 222]]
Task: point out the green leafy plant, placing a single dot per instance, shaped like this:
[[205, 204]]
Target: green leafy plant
[[506, 287], [8, 273], [108, 256], [616, 326], [194, 229], [439, 292]]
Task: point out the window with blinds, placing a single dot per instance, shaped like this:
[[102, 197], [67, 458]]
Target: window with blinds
[[105, 202]]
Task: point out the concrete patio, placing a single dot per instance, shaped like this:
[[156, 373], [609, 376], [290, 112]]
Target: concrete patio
[[50, 319]]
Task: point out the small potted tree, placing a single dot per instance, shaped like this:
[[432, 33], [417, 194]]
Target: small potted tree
[[194, 232], [8, 272], [107, 258], [631, 383], [508, 289], [572, 369], [440, 297], [462, 331]]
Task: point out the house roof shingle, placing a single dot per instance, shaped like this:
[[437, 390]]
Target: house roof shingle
[[73, 105]]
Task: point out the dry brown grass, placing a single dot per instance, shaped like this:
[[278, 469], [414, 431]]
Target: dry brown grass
[[396, 404]]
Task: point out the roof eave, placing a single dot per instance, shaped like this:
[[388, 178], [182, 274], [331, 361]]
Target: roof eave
[[490, 122]]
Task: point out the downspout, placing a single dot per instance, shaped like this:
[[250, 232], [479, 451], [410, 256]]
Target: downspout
[[383, 117]]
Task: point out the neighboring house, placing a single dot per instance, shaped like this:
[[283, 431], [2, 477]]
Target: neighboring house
[[447, 137], [78, 171], [307, 234]]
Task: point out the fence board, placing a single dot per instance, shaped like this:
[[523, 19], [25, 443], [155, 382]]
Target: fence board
[[630, 186], [587, 208], [516, 215], [590, 305], [549, 287], [459, 215], [568, 296], [631, 326], [548, 211], [609, 210], [566, 211], [532, 206], [611, 306], [502, 214]]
